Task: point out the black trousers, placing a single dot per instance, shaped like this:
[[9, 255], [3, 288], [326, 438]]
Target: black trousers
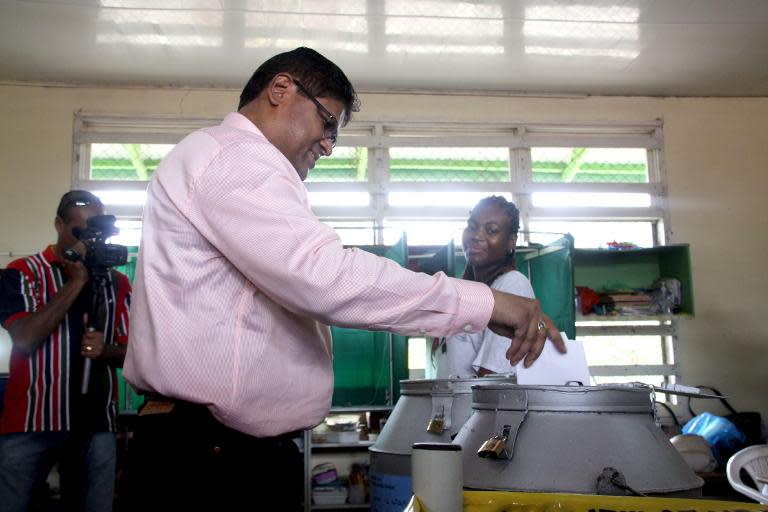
[[186, 460]]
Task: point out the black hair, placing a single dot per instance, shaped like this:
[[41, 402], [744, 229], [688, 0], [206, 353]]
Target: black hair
[[508, 263], [319, 75], [73, 199], [508, 206]]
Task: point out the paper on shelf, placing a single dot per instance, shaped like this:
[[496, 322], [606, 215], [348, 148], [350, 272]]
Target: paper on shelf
[[554, 368]]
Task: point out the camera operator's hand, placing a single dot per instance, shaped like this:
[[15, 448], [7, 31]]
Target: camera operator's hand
[[92, 345], [75, 270]]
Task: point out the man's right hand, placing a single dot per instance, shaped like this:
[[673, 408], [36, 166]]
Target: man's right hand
[[518, 318], [75, 270]]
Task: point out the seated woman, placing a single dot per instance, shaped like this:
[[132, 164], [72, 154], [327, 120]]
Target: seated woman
[[489, 245]]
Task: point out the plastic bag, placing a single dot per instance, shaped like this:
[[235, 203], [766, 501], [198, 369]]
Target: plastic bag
[[721, 434]]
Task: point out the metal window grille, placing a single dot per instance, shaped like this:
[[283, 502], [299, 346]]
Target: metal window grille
[[428, 175]]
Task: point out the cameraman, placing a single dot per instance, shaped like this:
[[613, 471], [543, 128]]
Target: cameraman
[[44, 303]]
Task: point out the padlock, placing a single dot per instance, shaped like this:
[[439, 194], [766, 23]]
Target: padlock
[[493, 448], [436, 425]]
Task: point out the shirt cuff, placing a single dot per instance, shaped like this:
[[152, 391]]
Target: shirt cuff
[[475, 306]]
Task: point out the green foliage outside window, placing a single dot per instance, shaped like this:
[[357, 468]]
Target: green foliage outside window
[[137, 162]]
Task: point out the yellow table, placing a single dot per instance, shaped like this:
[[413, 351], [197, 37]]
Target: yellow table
[[491, 501]]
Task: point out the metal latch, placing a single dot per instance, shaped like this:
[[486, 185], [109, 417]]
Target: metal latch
[[440, 421]]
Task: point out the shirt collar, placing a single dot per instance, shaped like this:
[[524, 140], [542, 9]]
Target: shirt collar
[[240, 122], [50, 254]]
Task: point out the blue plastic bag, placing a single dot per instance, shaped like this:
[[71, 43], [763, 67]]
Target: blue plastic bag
[[721, 434]]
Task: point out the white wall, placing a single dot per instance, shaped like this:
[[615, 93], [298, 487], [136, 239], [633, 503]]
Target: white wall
[[717, 171]]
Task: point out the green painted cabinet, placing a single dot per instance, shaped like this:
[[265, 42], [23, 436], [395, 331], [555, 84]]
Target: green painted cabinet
[[607, 270]]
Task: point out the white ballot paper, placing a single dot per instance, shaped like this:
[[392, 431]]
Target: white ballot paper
[[556, 369]]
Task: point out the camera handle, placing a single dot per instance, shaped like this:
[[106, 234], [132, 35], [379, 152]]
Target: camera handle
[[98, 280]]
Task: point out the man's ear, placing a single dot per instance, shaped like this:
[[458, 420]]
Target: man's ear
[[279, 89], [58, 223]]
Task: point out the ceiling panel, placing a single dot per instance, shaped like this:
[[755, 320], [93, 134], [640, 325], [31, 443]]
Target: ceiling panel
[[620, 47]]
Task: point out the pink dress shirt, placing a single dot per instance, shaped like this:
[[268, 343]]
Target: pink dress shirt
[[236, 278]]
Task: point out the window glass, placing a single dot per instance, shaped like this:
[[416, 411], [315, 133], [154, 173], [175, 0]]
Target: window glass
[[426, 232], [354, 232], [594, 234], [130, 232], [590, 200], [417, 358], [346, 164], [589, 165], [449, 164], [340, 199], [128, 162], [122, 197], [623, 350], [438, 199]]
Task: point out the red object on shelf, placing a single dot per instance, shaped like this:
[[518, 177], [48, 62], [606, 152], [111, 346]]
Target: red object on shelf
[[588, 297]]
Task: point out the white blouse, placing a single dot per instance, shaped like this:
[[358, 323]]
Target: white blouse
[[466, 353]]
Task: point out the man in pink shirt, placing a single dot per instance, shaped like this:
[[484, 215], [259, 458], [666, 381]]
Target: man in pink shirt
[[236, 283]]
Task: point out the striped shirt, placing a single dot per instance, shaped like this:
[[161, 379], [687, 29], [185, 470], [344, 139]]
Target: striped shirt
[[43, 393]]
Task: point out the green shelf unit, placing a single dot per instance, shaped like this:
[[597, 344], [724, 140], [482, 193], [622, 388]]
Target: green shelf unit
[[605, 270]]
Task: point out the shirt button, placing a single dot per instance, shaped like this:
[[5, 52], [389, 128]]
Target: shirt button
[[468, 328]]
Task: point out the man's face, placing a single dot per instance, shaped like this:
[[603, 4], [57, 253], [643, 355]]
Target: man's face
[[77, 216], [306, 138]]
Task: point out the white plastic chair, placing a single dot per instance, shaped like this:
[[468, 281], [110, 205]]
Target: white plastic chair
[[754, 460]]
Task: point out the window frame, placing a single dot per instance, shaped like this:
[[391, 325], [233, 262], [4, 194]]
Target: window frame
[[378, 138]]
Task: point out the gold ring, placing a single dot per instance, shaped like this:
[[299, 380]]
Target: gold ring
[[542, 325], [88, 348]]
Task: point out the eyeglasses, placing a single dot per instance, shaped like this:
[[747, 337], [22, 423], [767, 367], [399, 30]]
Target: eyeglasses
[[331, 124]]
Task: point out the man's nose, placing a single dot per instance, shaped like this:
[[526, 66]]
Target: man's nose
[[326, 146]]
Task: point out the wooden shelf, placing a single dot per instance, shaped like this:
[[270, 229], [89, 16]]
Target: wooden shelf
[[631, 318], [359, 408]]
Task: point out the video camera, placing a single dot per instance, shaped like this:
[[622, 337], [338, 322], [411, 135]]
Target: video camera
[[99, 255]]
